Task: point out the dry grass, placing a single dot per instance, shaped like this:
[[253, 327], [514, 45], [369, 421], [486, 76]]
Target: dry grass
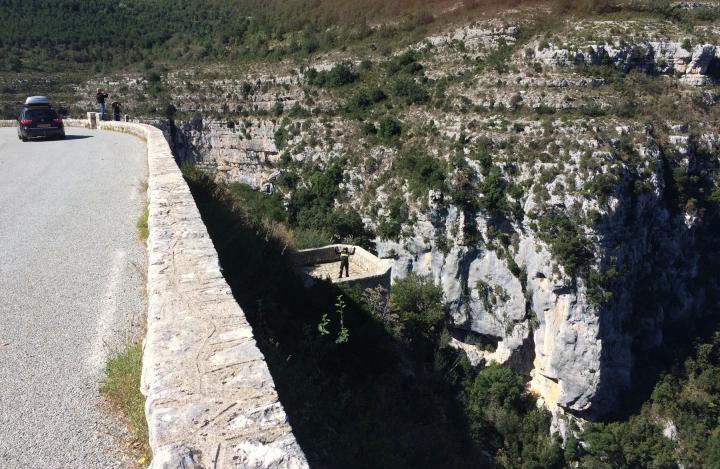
[[121, 387]]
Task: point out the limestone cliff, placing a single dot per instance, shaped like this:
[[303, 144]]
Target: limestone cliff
[[566, 244]]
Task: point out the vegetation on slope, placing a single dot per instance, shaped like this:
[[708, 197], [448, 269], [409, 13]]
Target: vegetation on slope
[[105, 34], [411, 400], [395, 394]]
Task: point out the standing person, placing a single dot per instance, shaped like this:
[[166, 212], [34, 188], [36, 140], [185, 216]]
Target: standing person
[[345, 260], [101, 95], [116, 110]]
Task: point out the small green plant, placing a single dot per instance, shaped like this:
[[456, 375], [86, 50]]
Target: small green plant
[[142, 225], [324, 323], [389, 129], [410, 91], [343, 333], [422, 172]]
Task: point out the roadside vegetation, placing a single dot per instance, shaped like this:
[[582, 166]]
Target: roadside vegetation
[[142, 225], [121, 387]]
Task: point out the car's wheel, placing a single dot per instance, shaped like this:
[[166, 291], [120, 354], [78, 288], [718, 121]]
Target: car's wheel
[[24, 138]]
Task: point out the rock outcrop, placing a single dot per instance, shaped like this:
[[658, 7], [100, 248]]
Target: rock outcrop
[[698, 66]]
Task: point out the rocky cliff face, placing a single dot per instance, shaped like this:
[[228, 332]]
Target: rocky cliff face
[[591, 247], [697, 66], [244, 152], [516, 304]]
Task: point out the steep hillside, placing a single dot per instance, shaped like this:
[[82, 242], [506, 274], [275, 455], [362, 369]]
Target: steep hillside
[[557, 178], [106, 35], [553, 169]]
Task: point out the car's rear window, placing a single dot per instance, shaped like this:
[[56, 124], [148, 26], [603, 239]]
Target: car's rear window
[[40, 114]]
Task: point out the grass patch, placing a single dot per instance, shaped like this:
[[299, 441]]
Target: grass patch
[[121, 387], [142, 225]]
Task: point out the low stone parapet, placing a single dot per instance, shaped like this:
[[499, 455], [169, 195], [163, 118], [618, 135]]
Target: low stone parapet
[[68, 123], [211, 401]]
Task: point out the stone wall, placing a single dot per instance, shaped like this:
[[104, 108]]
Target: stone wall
[[211, 401], [68, 123], [379, 270]]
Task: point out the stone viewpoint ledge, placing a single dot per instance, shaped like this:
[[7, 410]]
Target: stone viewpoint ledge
[[211, 401]]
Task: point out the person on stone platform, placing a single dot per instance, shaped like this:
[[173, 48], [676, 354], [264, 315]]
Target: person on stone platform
[[345, 254]]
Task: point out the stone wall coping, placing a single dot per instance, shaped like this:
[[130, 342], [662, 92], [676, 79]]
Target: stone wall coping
[[211, 401]]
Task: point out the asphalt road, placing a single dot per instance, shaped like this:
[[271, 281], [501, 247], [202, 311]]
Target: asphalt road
[[71, 280]]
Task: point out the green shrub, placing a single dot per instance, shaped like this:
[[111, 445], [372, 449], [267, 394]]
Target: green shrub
[[389, 129], [306, 238], [568, 244], [422, 172], [341, 74], [502, 415], [391, 226], [364, 99], [312, 207], [368, 128], [259, 205], [420, 310], [281, 136], [483, 155], [493, 190], [410, 91], [404, 63]]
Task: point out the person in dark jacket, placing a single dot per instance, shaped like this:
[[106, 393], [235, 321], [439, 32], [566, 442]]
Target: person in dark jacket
[[101, 95], [116, 110], [345, 254]]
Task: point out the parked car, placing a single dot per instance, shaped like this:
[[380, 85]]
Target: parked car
[[39, 119]]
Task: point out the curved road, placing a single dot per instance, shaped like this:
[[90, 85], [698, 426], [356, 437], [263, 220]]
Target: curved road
[[71, 280]]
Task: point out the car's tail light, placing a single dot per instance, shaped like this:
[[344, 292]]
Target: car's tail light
[[26, 121], [57, 121]]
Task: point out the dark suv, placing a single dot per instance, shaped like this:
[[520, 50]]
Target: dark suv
[[39, 119]]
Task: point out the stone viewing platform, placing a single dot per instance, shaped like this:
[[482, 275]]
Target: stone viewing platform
[[366, 269]]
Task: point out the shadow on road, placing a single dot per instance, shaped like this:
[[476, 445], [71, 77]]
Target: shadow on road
[[77, 137], [67, 137]]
